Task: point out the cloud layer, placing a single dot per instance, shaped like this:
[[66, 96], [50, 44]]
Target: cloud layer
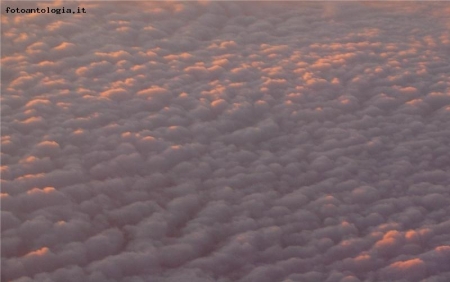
[[226, 141]]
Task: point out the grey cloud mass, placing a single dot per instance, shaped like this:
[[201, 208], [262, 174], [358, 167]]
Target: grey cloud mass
[[226, 141]]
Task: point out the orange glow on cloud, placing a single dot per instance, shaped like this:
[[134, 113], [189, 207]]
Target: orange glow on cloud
[[78, 131], [30, 176], [46, 190], [61, 223], [47, 143], [389, 239], [40, 252], [443, 249], [154, 90], [32, 120], [37, 102], [6, 139], [64, 45], [408, 264], [414, 102], [362, 258], [28, 160]]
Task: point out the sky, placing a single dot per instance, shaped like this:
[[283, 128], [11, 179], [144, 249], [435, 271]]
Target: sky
[[226, 141]]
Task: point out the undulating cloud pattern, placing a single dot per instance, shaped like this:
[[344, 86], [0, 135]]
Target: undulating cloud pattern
[[226, 141]]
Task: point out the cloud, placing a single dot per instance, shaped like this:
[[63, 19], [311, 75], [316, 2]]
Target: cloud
[[213, 141]]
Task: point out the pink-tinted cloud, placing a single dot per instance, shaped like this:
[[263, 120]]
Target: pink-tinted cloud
[[226, 141]]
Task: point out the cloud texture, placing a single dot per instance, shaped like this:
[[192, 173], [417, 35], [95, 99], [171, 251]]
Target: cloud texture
[[226, 141]]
